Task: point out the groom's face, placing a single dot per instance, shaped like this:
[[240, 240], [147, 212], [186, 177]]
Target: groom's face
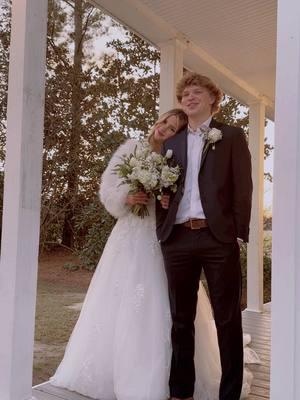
[[196, 101]]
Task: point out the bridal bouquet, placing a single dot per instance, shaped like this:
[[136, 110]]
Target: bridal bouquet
[[147, 171]]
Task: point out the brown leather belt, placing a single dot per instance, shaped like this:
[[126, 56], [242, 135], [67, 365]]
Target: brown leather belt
[[195, 223]]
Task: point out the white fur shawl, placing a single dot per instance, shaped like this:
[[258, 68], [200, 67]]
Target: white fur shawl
[[112, 194]]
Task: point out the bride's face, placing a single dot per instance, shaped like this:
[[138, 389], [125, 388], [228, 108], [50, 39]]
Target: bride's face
[[166, 129]]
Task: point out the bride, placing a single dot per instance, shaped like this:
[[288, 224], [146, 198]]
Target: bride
[[120, 347]]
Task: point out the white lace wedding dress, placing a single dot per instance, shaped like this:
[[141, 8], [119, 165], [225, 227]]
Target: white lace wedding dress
[[120, 347]]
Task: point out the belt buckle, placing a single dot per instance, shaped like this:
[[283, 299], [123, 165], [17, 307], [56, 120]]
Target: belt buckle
[[194, 223]]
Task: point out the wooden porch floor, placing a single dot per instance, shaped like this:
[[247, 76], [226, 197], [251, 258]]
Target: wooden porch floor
[[259, 327]]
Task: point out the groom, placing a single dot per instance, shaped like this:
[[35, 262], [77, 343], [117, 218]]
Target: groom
[[199, 227]]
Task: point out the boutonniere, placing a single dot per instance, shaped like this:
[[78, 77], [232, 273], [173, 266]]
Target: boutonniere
[[169, 154], [213, 136]]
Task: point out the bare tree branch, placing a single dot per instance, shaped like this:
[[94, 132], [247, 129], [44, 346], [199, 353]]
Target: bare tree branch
[[70, 4], [57, 52], [85, 25]]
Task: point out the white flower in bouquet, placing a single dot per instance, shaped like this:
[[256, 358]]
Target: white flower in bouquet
[[157, 158], [133, 162], [169, 175], [147, 171], [169, 154], [147, 178]]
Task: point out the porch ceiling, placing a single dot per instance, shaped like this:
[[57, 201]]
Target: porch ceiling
[[232, 41]]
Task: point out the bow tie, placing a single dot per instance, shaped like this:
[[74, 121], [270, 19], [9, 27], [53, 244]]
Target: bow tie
[[204, 129], [201, 131]]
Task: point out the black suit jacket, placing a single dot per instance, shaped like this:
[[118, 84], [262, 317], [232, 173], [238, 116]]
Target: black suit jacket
[[225, 185]]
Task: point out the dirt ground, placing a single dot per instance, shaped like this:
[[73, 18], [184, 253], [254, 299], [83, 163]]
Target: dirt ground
[[60, 294], [51, 270], [59, 289]]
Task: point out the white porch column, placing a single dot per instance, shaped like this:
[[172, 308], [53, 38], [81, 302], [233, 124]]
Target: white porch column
[[285, 361], [21, 216], [171, 70], [256, 239]]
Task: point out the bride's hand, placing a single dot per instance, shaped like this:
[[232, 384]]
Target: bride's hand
[[165, 200], [137, 198]]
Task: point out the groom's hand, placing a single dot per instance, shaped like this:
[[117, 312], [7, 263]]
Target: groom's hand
[[137, 198], [165, 201]]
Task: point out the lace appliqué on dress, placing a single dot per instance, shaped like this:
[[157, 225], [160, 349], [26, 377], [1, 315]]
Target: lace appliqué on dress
[[138, 297]]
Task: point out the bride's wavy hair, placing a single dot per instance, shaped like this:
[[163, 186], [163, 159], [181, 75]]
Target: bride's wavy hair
[[177, 112]]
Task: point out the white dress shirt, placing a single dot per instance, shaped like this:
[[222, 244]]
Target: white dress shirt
[[190, 205]]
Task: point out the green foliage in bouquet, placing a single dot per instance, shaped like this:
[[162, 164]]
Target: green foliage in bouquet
[[146, 171]]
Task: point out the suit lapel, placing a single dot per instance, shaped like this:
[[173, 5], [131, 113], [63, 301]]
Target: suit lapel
[[206, 147], [180, 149], [204, 153]]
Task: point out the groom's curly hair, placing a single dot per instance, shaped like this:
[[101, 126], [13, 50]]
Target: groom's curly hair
[[193, 78]]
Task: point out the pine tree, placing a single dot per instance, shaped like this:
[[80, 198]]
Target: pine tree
[[93, 103]]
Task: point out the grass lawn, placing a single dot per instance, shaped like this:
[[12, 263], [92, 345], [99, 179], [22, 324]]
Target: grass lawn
[[58, 288]]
